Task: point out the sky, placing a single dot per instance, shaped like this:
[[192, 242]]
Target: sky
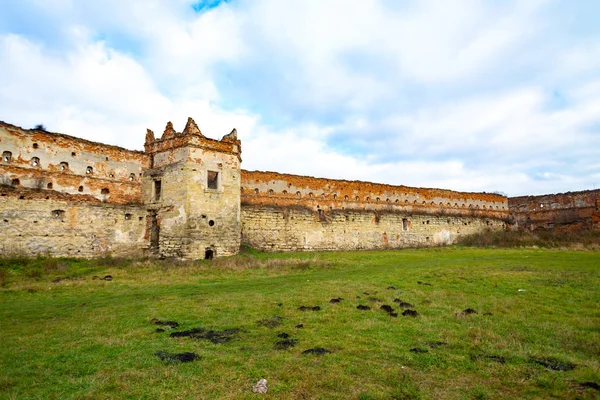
[[469, 95]]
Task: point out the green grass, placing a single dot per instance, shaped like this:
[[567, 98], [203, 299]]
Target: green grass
[[88, 338]]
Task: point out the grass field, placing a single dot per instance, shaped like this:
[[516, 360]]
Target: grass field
[[535, 333]]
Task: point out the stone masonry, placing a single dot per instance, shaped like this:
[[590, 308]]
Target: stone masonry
[[186, 196]]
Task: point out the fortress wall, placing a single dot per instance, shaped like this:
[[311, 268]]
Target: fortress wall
[[282, 212], [271, 188], [43, 160], [46, 222], [273, 228], [562, 211]]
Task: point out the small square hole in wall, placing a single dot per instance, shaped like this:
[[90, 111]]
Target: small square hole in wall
[[127, 217], [157, 189], [212, 179]]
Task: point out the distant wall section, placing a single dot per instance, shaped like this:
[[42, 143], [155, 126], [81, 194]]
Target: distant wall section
[[563, 211]]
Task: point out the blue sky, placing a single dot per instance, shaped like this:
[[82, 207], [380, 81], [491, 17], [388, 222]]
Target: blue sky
[[475, 96]]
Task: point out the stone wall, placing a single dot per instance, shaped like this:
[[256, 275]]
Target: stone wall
[[272, 228], [42, 160], [282, 212], [41, 222], [562, 211]]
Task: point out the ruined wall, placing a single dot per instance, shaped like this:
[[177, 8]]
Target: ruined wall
[[194, 219], [45, 222], [563, 211], [283, 212], [51, 161]]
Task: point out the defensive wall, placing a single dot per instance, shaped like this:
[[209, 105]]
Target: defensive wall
[[186, 196], [562, 211]]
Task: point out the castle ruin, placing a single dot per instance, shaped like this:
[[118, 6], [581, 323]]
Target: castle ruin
[[186, 196]]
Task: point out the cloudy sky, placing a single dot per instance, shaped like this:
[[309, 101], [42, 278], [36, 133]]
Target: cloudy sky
[[464, 94]]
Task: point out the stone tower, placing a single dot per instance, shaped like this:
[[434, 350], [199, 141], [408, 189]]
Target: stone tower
[[192, 193]]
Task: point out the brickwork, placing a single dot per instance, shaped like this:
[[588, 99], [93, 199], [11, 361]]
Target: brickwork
[[186, 196], [563, 211]]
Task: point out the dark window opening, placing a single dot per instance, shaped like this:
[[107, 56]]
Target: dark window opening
[[21, 198], [111, 175], [209, 254], [127, 217], [211, 223], [427, 222], [6, 156], [89, 170], [271, 191], [404, 224], [80, 189], [132, 177], [35, 146], [64, 166], [298, 194], [157, 190], [154, 231], [213, 179], [49, 185], [104, 191], [35, 162], [15, 182], [58, 213], [73, 154]]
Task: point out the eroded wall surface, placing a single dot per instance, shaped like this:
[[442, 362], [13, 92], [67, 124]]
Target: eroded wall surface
[[35, 222], [282, 212], [563, 211], [42, 160]]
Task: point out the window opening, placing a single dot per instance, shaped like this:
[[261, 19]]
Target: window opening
[[132, 177], [209, 254], [104, 191], [6, 156], [213, 179], [404, 224], [80, 189], [35, 161], [35, 146], [49, 185], [89, 170], [64, 166], [15, 182], [211, 223], [157, 190]]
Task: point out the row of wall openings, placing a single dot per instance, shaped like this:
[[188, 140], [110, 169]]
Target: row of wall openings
[[377, 199], [64, 166]]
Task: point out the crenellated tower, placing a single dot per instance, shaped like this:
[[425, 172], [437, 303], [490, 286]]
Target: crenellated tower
[[192, 193]]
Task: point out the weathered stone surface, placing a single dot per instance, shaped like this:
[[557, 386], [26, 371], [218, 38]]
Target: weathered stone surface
[[186, 196]]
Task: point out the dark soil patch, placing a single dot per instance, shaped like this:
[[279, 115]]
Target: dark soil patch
[[279, 304], [410, 313], [424, 283], [316, 350], [393, 314], [403, 304], [159, 330], [387, 308], [435, 345], [497, 359], [60, 279], [361, 307], [308, 308], [170, 324], [170, 358], [272, 322], [283, 335], [336, 300], [553, 363], [469, 311], [286, 344], [300, 326], [210, 335], [487, 313], [105, 278], [591, 385], [392, 288], [418, 350]]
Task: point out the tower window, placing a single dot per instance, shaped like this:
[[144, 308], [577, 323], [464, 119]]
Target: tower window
[[212, 180], [35, 162], [89, 170], [64, 166], [6, 156], [404, 224], [157, 190]]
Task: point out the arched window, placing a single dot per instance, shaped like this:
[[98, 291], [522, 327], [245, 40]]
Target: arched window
[[35, 162]]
